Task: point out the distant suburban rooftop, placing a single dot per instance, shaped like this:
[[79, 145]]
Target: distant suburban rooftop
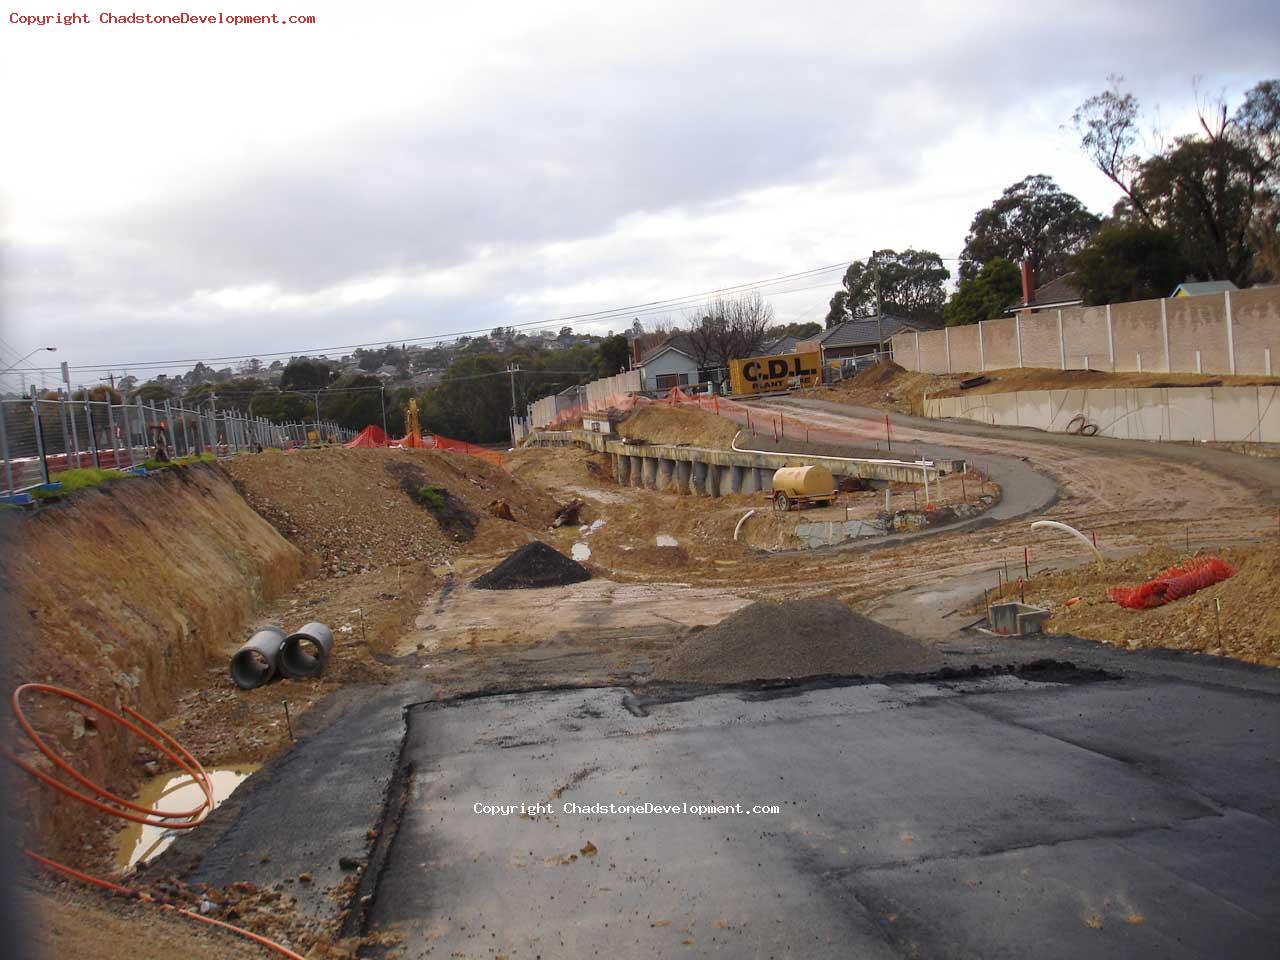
[[1199, 289], [861, 331], [1058, 292], [779, 345], [677, 341]]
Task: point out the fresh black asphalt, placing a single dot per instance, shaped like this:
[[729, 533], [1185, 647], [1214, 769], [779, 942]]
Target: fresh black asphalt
[[986, 817]]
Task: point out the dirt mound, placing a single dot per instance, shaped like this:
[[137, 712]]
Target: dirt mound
[[794, 638], [1239, 617], [659, 423], [532, 566], [877, 375], [358, 509]]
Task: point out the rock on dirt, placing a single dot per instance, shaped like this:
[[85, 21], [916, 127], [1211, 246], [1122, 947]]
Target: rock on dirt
[[794, 638], [533, 565]]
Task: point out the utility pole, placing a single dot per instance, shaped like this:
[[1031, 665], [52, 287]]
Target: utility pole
[[875, 273], [317, 399], [382, 395], [513, 369]]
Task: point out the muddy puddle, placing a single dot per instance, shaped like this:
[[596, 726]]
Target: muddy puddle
[[170, 792]]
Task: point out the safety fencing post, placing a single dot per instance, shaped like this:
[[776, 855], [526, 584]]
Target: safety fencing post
[[4, 448], [39, 431], [128, 432]]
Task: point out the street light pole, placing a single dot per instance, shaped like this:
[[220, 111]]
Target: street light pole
[[26, 358]]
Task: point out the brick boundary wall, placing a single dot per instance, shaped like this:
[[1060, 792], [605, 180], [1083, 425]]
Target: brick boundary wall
[[1231, 333]]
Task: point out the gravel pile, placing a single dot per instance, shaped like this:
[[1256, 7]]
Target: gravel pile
[[795, 638], [532, 566]]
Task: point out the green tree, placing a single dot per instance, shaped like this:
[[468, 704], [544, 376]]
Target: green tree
[[796, 329], [354, 402], [472, 400], [985, 296], [155, 390], [1128, 261], [1032, 220], [838, 309], [912, 284], [1217, 191], [303, 373], [614, 352]]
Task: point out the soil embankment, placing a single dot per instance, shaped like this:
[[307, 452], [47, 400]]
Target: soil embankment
[[129, 594], [662, 423]]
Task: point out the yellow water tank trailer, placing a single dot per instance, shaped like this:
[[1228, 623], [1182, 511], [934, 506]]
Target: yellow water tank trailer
[[812, 484]]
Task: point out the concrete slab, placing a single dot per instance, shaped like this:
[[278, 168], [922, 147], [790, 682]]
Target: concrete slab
[[924, 800]]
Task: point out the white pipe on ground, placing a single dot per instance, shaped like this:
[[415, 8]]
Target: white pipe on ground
[[1071, 530], [741, 521]]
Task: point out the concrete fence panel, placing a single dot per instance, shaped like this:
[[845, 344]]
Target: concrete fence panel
[[1123, 337], [1198, 325], [904, 350], [1000, 343], [966, 355], [1255, 330], [933, 352], [1039, 334], [1138, 336], [1085, 339]]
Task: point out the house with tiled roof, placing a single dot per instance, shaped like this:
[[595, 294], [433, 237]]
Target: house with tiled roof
[[669, 364], [860, 336]]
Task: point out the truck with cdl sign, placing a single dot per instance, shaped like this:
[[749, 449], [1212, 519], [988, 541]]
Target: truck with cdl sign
[[755, 375]]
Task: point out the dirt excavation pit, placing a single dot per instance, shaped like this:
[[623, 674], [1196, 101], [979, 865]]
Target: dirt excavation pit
[[794, 638], [533, 566]]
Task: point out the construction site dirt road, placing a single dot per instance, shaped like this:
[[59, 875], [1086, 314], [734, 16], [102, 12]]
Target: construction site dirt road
[[1044, 796]]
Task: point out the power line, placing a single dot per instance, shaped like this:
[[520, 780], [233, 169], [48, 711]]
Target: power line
[[597, 316]]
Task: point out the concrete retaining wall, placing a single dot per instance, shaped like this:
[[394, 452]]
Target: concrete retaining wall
[[1206, 414], [717, 472], [1230, 333]]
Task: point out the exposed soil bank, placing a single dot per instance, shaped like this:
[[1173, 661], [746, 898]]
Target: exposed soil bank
[[128, 593]]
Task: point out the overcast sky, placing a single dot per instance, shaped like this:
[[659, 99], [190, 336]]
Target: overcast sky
[[404, 170]]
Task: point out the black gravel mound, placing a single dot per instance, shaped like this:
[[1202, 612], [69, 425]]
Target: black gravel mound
[[533, 566], [795, 638]]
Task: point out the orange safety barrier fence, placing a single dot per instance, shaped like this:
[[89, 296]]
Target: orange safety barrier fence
[[1173, 584], [372, 437]]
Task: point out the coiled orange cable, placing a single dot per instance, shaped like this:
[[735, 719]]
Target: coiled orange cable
[[103, 799]]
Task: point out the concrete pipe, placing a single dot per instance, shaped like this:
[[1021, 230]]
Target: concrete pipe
[[304, 652], [255, 663]]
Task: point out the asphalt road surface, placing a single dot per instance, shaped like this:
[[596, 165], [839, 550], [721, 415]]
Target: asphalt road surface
[[1001, 816]]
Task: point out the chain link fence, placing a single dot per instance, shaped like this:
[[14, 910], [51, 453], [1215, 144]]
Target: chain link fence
[[41, 438]]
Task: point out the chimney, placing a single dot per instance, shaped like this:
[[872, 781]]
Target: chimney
[[1028, 283]]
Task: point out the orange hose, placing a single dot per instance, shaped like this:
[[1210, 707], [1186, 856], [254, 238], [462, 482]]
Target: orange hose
[[119, 806], [149, 816]]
